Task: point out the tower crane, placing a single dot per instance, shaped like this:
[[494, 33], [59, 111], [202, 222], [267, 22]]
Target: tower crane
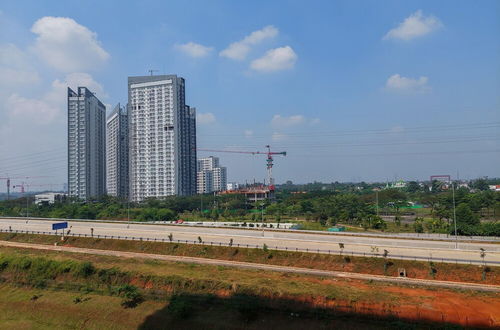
[[24, 186], [269, 159], [19, 177]]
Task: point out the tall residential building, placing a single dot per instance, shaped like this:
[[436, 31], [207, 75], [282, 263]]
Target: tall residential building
[[162, 137], [117, 183], [86, 144], [211, 176]]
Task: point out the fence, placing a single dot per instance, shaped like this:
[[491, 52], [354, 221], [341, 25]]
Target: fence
[[339, 252]]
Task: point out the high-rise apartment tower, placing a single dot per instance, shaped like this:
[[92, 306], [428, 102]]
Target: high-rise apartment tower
[[211, 176], [86, 144], [117, 159], [162, 137]]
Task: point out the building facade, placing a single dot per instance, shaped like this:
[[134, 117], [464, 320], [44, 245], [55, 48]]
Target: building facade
[[162, 138], [49, 198], [232, 186], [211, 176], [86, 144], [117, 153]]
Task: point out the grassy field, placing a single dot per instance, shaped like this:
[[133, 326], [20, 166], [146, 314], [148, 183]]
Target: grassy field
[[57, 310], [378, 266], [47, 290]]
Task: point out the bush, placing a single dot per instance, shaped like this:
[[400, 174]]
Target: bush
[[131, 296], [179, 307], [85, 269]]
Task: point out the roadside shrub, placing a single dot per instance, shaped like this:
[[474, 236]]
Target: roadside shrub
[[131, 296], [179, 307], [85, 269]]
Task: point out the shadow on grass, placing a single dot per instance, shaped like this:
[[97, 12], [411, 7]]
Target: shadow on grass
[[242, 311]]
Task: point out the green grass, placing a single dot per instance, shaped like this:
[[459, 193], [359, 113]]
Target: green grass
[[57, 310], [105, 274], [88, 291]]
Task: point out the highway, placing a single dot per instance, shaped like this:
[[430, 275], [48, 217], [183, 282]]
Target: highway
[[409, 248]]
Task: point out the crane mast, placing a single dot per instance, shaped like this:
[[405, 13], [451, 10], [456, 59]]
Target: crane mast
[[269, 160]]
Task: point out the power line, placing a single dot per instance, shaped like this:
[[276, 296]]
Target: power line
[[31, 155], [396, 154], [376, 131]]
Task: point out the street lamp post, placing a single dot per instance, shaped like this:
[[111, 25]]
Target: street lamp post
[[454, 214], [262, 217], [128, 213]]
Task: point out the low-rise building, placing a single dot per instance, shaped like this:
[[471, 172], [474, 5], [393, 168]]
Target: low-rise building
[[495, 187], [232, 186], [49, 198]]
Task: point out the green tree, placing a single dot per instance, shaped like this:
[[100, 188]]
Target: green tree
[[165, 215], [480, 184], [466, 216], [412, 187]]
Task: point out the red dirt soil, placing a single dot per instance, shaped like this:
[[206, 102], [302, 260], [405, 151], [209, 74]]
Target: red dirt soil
[[415, 304]]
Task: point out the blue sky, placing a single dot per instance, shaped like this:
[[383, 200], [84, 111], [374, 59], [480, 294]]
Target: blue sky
[[353, 90]]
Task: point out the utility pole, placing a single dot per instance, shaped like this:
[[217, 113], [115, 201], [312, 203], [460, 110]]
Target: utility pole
[[262, 218], [128, 212], [376, 197], [454, 215]]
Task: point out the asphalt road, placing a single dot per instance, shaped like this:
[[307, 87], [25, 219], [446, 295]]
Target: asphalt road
[[248, 265], [466, 252]]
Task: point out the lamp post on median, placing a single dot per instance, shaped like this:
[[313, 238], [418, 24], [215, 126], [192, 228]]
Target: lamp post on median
[[454, 214], [262, 217]]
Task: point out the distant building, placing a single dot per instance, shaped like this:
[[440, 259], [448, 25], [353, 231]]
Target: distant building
[[211, 176], [232, 186], [86, 144], [49, 198], [253, 194], [495, 187], [205, 182], [397, 184], [117, 156], [162, 131]]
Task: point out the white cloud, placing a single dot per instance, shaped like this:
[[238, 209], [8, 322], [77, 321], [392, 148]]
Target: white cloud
[[397, 129], [51, 105], [315, 121], [194, 50], [279, 121], [9, 77], [404, 84], [239, 50], [205, 118], [282, 58], [74, 80], [248, 133], [277, 137], [15, 67], [66, 45], [416, 25], [40, 111]]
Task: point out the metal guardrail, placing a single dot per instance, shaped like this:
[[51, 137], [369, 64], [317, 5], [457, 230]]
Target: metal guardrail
[[257, 246]]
